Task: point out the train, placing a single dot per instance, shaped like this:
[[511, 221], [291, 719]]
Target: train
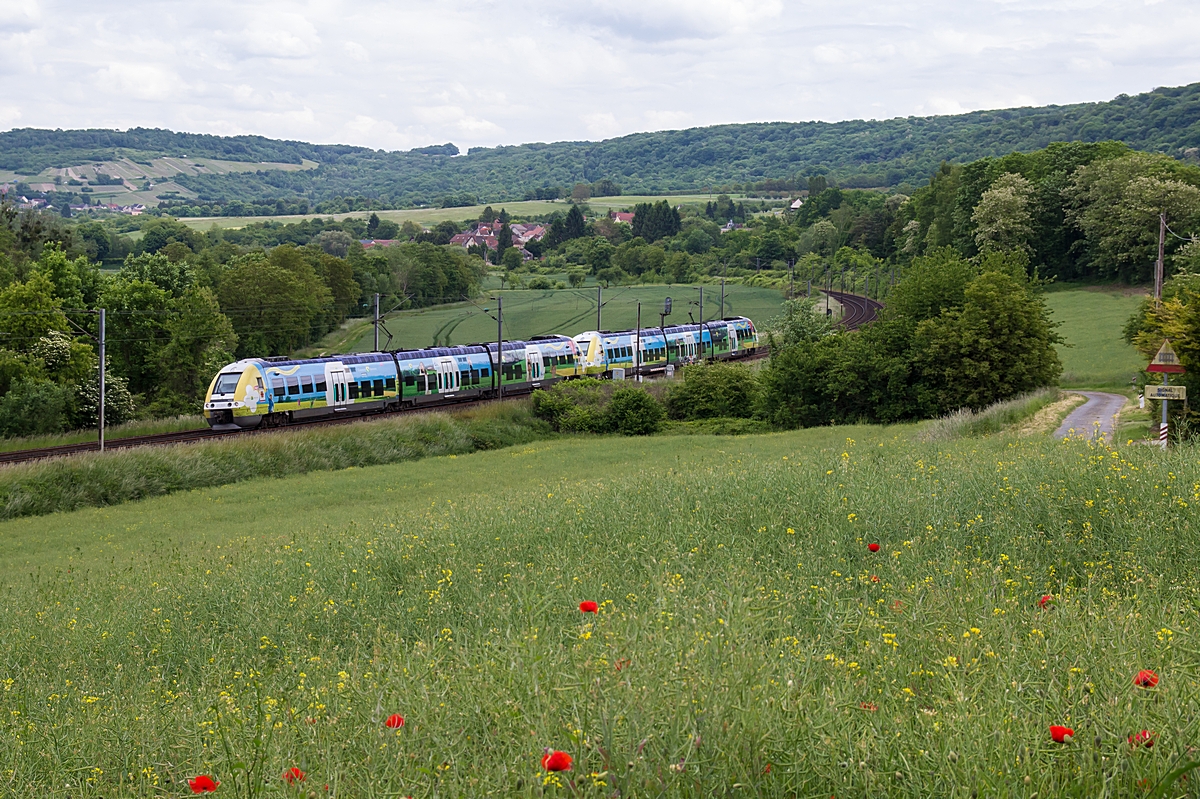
[[270, 392]]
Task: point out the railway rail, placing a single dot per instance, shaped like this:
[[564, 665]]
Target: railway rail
[[859, 311]]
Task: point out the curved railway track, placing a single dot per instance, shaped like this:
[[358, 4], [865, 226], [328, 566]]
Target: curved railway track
[[858, 310]]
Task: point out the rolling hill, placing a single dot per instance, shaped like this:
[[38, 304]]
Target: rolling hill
[[895, 152]]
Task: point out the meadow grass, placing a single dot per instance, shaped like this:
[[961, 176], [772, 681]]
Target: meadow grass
[[1093, 318], [142, 427], [747, 641], [124, 475]]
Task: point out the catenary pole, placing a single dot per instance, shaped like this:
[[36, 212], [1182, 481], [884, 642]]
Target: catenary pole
[[376, 323], [637, 350], [702, 323], [599, 298], [103, 365], [499, 370], [1158, 266]]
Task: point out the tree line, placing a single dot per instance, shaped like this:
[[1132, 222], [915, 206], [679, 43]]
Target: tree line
[[181, 305]]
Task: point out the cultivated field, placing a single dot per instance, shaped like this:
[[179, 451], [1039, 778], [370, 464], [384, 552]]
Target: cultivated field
[[565, 311], [431, 216], [747, 640]]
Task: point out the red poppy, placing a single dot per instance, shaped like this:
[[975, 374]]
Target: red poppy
[[874, 578], [873, 547], [556, 761], [1060, 734], [1144, 738], [1045, 600], [1145, 679], [293, 776], [621, 663], [202, 784], [394, 721], [767, 769], [870, 707], [897, 606], [588, 606]]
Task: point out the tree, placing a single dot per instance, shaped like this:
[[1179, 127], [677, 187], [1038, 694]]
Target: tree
[[581, 193], [173, 277], [713, 390], [798, 323], [573, 225], [1003, 219], [1116, 204], [137, 330], [372, 225], [633, 412], [202, 340], [504, 240], [655, 221], [28, 312], [512, 259], [273, 308]]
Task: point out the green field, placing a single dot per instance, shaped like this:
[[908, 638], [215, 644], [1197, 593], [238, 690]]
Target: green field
[[747, 643], [567, 311], [431, 216], [1092, 320]]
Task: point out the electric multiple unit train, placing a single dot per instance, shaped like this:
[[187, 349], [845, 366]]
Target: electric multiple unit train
[[258, 392]]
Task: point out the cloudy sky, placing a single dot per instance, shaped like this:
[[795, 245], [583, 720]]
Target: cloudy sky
[[408, 73]]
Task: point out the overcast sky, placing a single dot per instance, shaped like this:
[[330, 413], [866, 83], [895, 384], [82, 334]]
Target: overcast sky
[[407, 73]]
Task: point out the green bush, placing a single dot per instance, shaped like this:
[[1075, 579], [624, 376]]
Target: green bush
[[712, 391], [34, 407], [633, 412]]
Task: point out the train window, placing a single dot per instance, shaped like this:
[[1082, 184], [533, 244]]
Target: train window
[[306, 384], [320, 384], [421, 383], [410, 380], [391, 384], [353, 390], [227, 384], [474, 377], [377, 387], [278, 387], [293, 384], [485, 372]]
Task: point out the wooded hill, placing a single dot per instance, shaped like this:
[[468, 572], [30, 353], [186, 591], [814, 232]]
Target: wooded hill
[[901, 152]]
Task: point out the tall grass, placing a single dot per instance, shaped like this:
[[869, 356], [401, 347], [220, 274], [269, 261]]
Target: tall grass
[[965, 422], [748, 642], [144, 427], [95, 480]]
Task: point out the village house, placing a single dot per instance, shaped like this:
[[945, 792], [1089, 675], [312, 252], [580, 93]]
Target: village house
[[485, 234]]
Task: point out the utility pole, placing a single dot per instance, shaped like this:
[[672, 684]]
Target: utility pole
[[722, 298], [791, 278], [599, 295], [499, 370], [1158, 272], [103, 364], [376, 323], [702, 323], [637, 350]]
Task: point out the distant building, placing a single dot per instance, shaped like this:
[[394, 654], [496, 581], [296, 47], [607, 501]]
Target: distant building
[[799, 201], [369, 243], [621, 216], [485, 234]]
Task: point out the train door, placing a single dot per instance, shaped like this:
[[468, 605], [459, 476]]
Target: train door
[[336, 395], [533, 363], [447, 376], [733, 338]]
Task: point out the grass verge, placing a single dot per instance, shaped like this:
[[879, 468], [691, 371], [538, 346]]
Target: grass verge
[[745, 634], [96, 480], [139, 428], [966, 423]]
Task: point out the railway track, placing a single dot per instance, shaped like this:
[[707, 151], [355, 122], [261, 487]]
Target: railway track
[[859, 310], [863, 311]]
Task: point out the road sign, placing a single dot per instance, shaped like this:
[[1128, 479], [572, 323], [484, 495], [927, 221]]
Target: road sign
[[1166, 392], [1166, 360]]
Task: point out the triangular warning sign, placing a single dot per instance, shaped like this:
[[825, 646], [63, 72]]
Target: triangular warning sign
[[1166, 360]]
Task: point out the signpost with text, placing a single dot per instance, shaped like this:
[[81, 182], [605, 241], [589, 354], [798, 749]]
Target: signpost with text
[[1167, 363]]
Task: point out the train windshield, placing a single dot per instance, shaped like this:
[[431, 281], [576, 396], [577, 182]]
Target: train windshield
[[227, 383]]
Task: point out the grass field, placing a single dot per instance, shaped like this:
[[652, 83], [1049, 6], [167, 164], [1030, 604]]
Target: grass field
[[747, 641], [431, 216], [138, 428], [1092, 320], [530, 313]]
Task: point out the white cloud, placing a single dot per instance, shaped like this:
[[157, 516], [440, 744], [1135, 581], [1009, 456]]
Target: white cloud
[[481, 73]]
